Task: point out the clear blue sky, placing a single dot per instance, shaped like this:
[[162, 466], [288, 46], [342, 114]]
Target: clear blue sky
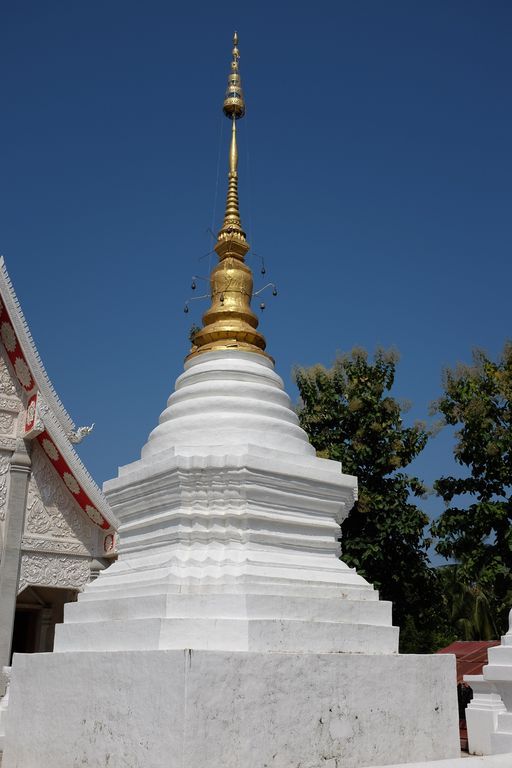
[[375, 169]]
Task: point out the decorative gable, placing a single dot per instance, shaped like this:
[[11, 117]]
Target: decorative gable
[[53, 520], [29, 392]]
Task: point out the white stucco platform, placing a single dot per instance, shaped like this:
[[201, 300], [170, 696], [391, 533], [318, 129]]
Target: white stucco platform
[[184, 709]]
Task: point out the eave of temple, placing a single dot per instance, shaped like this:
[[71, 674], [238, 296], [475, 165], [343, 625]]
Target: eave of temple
[[47, 421], [26, 342]]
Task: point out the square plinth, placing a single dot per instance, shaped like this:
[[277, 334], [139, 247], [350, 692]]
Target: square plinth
[[185, 709]]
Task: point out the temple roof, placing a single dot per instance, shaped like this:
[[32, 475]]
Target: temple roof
[[41, 378], [47, 420]]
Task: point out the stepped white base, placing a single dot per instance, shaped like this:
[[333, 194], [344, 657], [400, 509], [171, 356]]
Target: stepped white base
[[229, 622], [234, 552], [185, 709]]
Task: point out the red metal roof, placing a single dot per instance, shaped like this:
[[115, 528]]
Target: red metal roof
[[470, 655]]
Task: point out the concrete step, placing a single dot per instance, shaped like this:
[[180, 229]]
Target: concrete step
[[231, 607], [267, 635]]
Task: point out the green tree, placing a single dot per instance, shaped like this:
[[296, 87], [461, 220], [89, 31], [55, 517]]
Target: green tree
[[469, 613], [475, 528], [350, 417]]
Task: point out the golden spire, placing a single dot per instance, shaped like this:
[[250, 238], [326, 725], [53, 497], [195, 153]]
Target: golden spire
[[230, 322]]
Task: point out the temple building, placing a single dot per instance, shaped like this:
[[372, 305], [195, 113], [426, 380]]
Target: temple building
[[57, 531]]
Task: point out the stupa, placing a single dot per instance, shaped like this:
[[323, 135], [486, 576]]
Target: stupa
[[229, 632]]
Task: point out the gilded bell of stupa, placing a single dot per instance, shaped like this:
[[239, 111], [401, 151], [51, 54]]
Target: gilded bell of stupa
[[230, 322]]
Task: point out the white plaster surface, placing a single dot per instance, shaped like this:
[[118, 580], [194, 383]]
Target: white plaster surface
[[482, 715], [224, 399], [5, 676], [184, 709]]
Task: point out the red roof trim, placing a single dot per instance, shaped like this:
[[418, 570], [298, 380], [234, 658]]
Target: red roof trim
[[13, 349]]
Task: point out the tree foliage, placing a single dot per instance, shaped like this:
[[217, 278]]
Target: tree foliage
[[469, 612], [350, 416], [475, 529]]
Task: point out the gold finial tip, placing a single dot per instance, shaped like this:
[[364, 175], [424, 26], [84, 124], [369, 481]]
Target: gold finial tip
[[234, 106]]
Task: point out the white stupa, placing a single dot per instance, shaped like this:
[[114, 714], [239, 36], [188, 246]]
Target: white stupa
[[229, 527], [229, 632]]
